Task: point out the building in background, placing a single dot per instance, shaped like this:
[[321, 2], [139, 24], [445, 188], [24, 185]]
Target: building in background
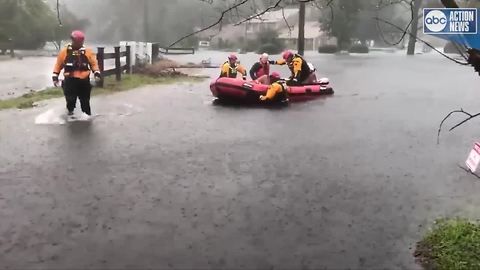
[[276, 20], [314, 37]]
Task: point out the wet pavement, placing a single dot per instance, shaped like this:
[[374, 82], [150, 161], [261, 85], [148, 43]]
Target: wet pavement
[[162, 178]]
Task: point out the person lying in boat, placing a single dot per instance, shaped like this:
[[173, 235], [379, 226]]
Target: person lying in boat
[[231, 68], [260, 71], [301, 73], [277, 91]]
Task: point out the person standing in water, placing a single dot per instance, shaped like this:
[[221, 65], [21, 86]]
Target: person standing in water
[[76, 62]]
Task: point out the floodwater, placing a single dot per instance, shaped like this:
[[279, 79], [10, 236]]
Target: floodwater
[[163, 178], [18, 77]]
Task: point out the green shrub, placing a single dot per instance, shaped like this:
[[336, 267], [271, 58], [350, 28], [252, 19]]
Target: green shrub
[[358, 48], [328, 49], [270, 48], [266, 41]]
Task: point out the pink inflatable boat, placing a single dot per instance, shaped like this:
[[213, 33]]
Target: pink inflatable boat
[[240, 90]]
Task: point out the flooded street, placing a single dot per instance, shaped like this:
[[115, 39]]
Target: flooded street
[[162, 178], [18, 77]]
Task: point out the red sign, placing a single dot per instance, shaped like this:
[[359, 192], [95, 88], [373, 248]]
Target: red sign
[[473, 159]]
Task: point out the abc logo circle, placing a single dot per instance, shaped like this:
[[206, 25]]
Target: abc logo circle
[[435, 21]]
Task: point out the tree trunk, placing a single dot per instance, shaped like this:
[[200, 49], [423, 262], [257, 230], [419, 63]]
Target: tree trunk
[[414, 28], [450, 3], [58, 44], [301, 29]]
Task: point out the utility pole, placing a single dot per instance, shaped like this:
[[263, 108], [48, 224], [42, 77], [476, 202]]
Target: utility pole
[[145, 20], [301, 29], [245, 38], [414, 28]]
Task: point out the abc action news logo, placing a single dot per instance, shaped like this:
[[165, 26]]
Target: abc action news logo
[[449, 20]]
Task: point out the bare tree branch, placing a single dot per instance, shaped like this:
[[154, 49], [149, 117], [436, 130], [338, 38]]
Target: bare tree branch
[[211, 25], [380, 5], [321, 7], [259, 14], [382, 35], [468, 119], [329, 2], [58, 13], [423, 41], [329, 5], [234, 7], [405, 31], [445, 118], [286, 22]]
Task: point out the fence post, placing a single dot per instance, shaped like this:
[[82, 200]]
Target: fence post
[[10, 45], [118, 67], [129, 63], [100, 59], [155, 49]]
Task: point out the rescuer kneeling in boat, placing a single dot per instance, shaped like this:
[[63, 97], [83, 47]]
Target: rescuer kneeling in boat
[[231, 68], [301, 73], [277, 92], [76, 62]]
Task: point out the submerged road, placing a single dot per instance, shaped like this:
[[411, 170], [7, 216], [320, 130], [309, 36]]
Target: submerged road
[[165, 179]]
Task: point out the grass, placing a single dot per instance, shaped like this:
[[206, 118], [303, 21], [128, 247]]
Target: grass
[[451, 244], [110, 86]]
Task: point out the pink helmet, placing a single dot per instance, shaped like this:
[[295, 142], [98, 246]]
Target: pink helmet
[[275, 75], [232, 57], [287, 54], [78, 36]]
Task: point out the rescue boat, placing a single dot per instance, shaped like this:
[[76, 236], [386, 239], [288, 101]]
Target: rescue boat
[[240, 90]]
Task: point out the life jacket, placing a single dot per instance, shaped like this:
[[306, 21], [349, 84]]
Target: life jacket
[[232, 71], [282, 96], [263, 70], [305, 72], [76, 60]]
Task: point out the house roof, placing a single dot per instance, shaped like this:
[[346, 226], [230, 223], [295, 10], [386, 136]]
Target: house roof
[[312, 30]]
